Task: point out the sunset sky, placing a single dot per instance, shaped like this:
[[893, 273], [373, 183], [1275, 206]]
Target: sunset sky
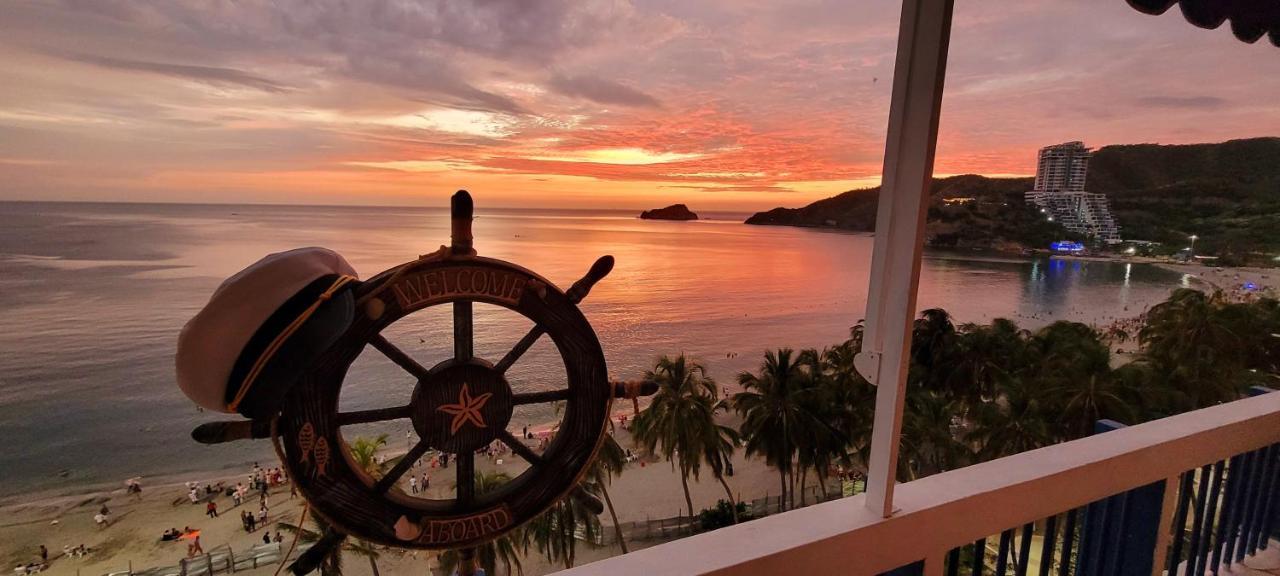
[[722, 104]]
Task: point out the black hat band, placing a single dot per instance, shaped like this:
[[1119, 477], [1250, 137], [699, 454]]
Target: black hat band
[[286, 313]]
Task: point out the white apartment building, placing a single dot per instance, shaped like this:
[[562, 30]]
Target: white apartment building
[[1060, 193]]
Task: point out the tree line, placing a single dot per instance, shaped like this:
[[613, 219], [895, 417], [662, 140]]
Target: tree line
[[975, 392]]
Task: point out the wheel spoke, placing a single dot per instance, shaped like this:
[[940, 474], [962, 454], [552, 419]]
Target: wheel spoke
[[466, 478], [576, 293], [519, 349], [462, 337], [389, 479], [399, 357], [540, 397], [375, 415], [519, 447]]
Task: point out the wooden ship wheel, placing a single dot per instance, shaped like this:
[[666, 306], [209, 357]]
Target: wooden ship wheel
[[459, 406]]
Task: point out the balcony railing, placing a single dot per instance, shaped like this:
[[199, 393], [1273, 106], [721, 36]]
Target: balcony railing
[[1102, 505]]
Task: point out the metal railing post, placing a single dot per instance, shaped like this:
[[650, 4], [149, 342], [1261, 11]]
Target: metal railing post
[[1116, 528]]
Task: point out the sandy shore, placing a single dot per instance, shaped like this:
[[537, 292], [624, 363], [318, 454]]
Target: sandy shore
[[1229, 279], [647, 490]]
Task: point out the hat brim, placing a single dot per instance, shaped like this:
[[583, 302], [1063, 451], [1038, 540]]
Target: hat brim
[[297, 354]]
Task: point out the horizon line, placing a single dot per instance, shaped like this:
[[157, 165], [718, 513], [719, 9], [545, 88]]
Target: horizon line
[[551, 207]]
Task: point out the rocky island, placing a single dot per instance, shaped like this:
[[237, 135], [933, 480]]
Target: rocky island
[[672, 212]]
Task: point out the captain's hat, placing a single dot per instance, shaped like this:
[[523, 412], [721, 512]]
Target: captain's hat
[[262, 328]]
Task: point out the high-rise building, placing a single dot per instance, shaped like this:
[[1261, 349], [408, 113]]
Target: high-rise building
[[1060, 193], [1062, 168]]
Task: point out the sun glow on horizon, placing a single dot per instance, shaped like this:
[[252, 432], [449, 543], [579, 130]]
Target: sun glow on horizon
[[620, 156], [716, 104]]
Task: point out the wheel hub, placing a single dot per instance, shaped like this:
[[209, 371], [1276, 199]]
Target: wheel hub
[[460, 407]]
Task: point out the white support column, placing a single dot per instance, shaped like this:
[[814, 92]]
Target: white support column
[[923, 35]]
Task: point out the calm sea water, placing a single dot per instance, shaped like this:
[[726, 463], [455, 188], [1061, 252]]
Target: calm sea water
[[92, 297]]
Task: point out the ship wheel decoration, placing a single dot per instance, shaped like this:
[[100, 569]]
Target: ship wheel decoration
[[458, 406]]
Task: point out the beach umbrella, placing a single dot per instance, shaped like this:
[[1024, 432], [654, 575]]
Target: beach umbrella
[[1250, 19]]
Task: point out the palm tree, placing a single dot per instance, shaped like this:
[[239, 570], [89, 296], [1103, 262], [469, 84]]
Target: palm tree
[[1191, 339], [929, 444], [610, 461], [1258, 324], [775, 412], [502, 549], [676, 423], [986, 357], [331, 565], [366, 549], [849, 398], [365, 452], [1073, 365], [1017, 423], [1086, 400], [820, 445], [933, 346], [719, 442], [555, 532]]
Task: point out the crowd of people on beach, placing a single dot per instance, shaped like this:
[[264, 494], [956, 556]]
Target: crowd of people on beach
[[42, 562], [259, 481], [102, 519]]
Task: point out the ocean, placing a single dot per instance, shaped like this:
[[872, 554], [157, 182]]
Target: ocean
[[92, 297]]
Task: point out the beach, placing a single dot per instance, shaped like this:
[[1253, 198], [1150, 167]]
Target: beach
[[647, 491], [1232, 280]]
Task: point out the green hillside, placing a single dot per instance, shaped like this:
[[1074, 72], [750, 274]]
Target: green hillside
[[1227, 194], [982, 213]]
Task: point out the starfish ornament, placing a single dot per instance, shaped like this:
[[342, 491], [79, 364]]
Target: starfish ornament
[[466, 410]]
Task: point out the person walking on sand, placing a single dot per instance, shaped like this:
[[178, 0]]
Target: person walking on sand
[[413, 485], [262, 516], [44, 554], [211, 509], [196, 549], [132, 486]]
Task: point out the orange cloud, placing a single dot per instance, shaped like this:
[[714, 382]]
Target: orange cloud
[[716, 103]]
